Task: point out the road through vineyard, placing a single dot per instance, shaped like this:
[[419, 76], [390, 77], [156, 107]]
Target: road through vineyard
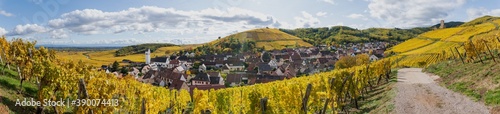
[[417, 93]]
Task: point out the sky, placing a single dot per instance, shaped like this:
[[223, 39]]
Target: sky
[[128, 22]]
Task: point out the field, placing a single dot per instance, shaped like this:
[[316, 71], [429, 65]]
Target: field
[[469, 32], [98, 58], [416, 52], [411, 44], [442, 33], [437, 47]]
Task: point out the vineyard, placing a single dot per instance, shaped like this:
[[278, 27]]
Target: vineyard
[[442, 33], [328, 92], [471, 43], [469, 32], [411, 44]]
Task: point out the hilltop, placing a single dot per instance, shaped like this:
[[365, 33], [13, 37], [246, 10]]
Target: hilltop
[[426, 48], [267, 38]]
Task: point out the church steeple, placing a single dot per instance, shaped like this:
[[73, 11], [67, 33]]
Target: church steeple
[[148, 56]]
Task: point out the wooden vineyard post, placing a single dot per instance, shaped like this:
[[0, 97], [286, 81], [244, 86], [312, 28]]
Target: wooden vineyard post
[[332, 86], [143, 106], [456, 49], [82, 92], [488, 47], [343, 84], [453, 53], [388, 74], [325, 106], [368, 73], [306, 98], [477, 53], [263, 105]]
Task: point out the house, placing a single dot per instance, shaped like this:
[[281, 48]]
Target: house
[[135, 72], [236, 79], [322, 60], [209, 64], [165, 77], [173, 63], [215, 78], [201, 79], [219, 63], [264, 68], [374, 58], [202, 68], [253, 60], [277, 72], [236, 66], [273, 63], [268, 78], [205, 87], [225, 69]]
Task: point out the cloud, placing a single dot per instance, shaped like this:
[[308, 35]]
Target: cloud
[[473, 13], [355, 16], [411, 13], [4, 13], [329, 1], [2, 31], [156, 19], [321, 14], [58, 33], [27, 29], [306, 20]]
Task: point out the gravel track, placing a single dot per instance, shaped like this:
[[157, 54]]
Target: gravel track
[[417, 93]]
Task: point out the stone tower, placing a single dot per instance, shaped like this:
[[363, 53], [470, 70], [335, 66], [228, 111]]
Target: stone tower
[[148, 56], [442, 25]]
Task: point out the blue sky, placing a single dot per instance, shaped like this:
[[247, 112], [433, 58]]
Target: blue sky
[[127, 22]]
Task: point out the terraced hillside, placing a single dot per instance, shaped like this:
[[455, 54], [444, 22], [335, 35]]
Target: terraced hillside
[[266, 38], [438, 44]]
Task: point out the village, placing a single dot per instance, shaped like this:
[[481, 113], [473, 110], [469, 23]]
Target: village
[[230, 69]]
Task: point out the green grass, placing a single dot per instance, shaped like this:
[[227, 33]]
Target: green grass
[[9, 87], [463, 87], [9, 82], [492, 97], [476, 80], [380, 99], [8, 73]]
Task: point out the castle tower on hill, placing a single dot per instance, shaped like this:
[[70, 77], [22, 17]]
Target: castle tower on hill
[[442, 25], [148, 56]]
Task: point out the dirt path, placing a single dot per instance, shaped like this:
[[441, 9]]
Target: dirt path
[[417, 93]]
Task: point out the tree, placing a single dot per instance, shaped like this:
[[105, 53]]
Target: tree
[[345, 62], [349, 61], [124, 71], [362, 59], [266, 57], [115, 66]]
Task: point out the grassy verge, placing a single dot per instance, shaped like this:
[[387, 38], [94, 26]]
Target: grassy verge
[[476, 80], [9, 85], [380, 99]]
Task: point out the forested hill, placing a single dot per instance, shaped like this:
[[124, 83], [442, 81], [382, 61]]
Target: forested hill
[[344, 34], [135, 49]]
